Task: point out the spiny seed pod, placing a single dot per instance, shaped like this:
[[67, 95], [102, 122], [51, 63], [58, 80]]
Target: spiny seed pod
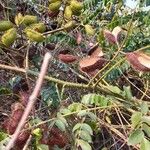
[[39, 27], [76, 6], [89, 30], [5, 25], [18, 19], [70, 25], [55, 6], [9, 37], [29, 19], [34, 36], [68, 13]]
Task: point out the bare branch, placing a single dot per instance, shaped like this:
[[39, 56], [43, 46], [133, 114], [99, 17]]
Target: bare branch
[[32, 100]]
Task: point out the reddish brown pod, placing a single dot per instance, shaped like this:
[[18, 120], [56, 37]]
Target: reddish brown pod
[[11, 124], [109, 36], [96, 51], [113, 37], [139, 61], [90, 64], [67, 58], [50, 46], [53, 136], [53, 14]]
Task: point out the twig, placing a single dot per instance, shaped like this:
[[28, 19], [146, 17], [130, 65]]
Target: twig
[[27, 143], [53, 31], [32, 100]]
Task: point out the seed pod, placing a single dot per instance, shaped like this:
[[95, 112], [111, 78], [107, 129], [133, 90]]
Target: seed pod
[[9, 37], [55, 6], [109, 36], [90, 64], [34, 36], [5, 25], [18, 19], [69, 25], [139, 61], [89, 30], [68, 13], [76, 6], [29, 19], [67, 58], [39, 27]]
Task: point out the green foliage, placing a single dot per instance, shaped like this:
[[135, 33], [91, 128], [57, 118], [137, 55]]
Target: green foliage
[[94, 99], [49, 95], [136, 137], [107, 107]]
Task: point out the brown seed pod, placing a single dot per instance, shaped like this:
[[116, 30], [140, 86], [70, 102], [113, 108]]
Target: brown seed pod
[[95, 51], [109, 36], [50, 46], [139, 61], [90, 64], [67, 58]]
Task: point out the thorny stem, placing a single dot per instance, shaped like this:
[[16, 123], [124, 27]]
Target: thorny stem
[[67, 84], [109, 71], [32, 100]]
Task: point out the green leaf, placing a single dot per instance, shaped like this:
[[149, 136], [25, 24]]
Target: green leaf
[[145, 144], [95, 99], [87, 99], [60, 117], [37, 132], [84, 135], [4, 142], [49, 95], [84, 145], [91, 115], [75, 107], [136, 119], [77, 127], [3, 136], [144, 108], [135, 137], [146, 119], [42, 147], [60, 125], [146, 129], [114, 89], [83, 126], [128, 93], [65, 111]]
